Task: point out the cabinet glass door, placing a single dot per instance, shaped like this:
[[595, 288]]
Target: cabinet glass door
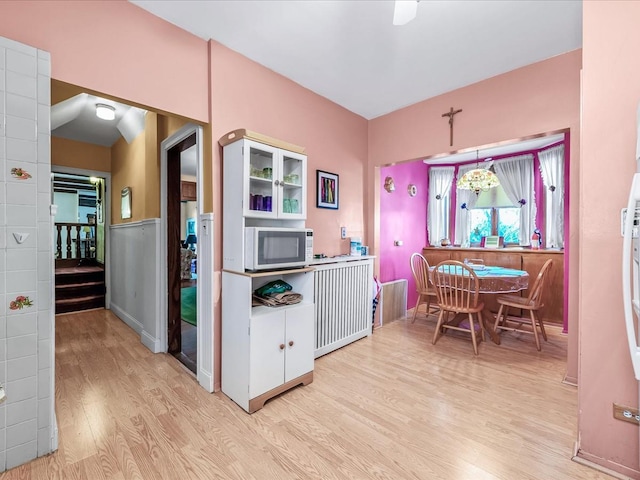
[[262, 171], [292, 180]]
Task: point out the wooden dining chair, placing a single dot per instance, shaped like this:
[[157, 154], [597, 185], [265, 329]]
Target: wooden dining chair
[[533, 303], [426, 291], [457, 289]]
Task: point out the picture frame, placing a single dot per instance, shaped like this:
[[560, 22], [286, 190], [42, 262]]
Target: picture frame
[[125, 205], [327, 190]]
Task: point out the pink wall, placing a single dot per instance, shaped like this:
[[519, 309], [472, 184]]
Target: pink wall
[[402, 217], [102, 46], [245, 94], [611, 90]]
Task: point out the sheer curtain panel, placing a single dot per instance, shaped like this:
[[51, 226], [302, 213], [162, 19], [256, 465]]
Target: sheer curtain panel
[[440, 179], [516, 178], [469, 199], [552, 171]]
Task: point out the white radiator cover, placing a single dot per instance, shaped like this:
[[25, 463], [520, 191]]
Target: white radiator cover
[[343, 303]]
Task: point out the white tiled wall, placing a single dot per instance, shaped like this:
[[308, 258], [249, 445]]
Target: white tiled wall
[[26, 268]]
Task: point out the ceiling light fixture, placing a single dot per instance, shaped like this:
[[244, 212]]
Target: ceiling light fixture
[[478, 179], [405, 11], [105, 112]]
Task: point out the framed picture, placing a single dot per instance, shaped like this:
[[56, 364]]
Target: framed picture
[[327, 190], [125, 206]]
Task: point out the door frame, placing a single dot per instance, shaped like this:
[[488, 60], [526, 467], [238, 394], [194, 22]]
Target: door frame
[[107, 218], [204, 371]]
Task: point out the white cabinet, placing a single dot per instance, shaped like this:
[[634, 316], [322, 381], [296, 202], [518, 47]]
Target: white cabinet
[[265, 350], [263, 181]]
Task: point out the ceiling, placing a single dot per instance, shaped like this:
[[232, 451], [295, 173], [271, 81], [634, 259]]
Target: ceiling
[[350, 52]]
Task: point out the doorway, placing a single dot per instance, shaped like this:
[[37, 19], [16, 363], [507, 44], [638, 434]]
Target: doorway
[[182, 254]]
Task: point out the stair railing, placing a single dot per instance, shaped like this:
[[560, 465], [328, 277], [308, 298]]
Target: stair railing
[[74, 245]]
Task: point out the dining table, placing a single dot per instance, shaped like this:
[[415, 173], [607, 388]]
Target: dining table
[[495, 280]]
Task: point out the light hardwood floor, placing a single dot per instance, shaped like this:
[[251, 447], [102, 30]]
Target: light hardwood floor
[[390, 406]]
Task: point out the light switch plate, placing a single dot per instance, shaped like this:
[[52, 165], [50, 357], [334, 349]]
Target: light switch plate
[[343, 232]]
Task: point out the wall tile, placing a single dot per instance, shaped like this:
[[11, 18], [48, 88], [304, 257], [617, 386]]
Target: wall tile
[[44, 202], [21, 389], [44, 411], [19, 152], [3, 155], [44, 383], [21, 128], [23, 63], [44, 123], [23, 367], [3, 327], [45, 325], [45, 295], [21, 454], [3, 107], [45, 267], [44, 354], [22, 216], [19, 106], [22, 282], [13, 247], [21, 433], [3, 417], [17, 46], [20, 347], [45, 238], [3, 379], [44, 148], [17, 260], [18, 326], [44, 90], [12, 297], [21, 84], [43, 177], [44, 63], [3, 350], [44, 441], [3, 439], [3, 238], [21, 193], [2, 56], [21, 411]]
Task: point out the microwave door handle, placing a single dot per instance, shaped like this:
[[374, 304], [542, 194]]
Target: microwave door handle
[[628, 286]]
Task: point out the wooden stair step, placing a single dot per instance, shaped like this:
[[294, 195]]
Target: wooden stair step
[[79, 285]]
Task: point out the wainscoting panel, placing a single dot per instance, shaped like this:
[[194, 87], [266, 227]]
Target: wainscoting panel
[[135, 277]]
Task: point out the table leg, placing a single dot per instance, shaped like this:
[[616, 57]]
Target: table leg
[[488, 320]]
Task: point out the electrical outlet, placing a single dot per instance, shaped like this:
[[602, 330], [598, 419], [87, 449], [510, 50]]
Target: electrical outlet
[[3, 395], [343, 232], [626, 414], [398, 243]]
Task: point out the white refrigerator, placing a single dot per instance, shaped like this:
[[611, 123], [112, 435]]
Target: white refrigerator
[[631, 262]]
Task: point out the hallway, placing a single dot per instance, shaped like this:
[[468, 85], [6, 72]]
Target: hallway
[[388, 406]]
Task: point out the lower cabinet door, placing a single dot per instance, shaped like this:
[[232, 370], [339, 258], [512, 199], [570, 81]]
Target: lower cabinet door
[[299, 342], [267, 351]]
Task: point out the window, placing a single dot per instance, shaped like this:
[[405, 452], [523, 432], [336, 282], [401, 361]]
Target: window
[[494, 214], [503, 221]]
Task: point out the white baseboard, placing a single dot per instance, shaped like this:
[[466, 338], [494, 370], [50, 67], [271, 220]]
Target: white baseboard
[[150, 342], [126, 318]]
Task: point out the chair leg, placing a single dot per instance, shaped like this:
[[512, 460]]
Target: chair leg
[[498, 316], [436, 334], [415, 310], [541, 323], [473, 334], [482, 329], [535, 329]]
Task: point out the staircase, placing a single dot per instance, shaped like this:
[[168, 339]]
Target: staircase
[[79, 286]]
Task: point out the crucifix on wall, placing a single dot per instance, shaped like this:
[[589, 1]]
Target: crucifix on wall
[[450, 114]]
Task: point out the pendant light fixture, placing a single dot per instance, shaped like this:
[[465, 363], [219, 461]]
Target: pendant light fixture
[[478, 179]]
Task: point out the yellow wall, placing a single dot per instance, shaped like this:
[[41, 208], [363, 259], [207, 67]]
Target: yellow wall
[[69, 153], [128, 170]]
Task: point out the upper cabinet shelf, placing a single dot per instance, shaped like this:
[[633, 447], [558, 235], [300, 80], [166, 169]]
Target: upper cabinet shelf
[[268, 181]]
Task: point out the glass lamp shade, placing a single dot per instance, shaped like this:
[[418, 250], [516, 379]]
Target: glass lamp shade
[[478, 180]]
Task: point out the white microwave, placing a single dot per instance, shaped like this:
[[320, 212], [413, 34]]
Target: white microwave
[[270, 248]]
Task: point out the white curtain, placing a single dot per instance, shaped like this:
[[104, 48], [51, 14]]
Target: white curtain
[[552, 170], [469, 198], [516, 177], [440, 179]]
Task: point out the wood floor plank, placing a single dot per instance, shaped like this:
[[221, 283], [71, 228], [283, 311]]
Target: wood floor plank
[[390, 406]]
